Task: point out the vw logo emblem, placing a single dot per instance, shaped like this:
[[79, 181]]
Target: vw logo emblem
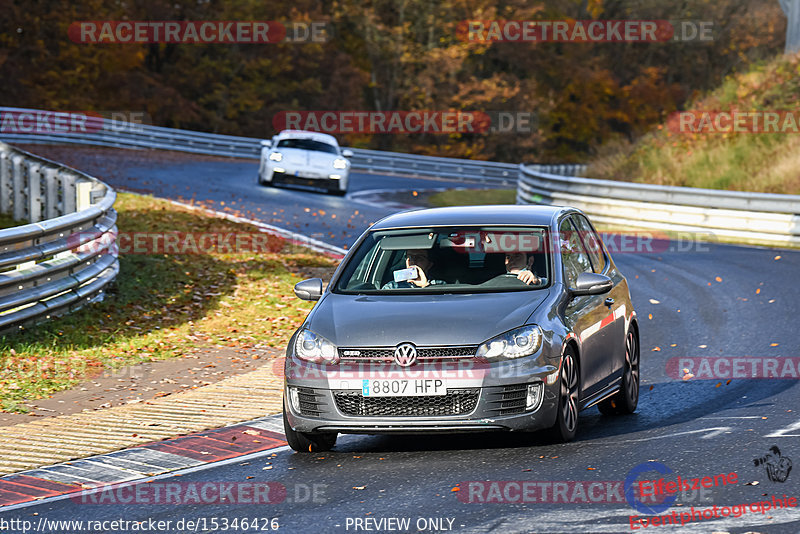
[[405, 354]]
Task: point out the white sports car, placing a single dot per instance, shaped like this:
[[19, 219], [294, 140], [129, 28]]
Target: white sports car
[[305, 158]]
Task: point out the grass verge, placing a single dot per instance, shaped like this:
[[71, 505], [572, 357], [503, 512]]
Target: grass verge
[[743, 161], [163, 306], [7, 221], [472, 197]]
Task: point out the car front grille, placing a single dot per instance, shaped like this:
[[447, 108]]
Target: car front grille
[[509, 400], [310, 402], [423, 353], [455, 402]]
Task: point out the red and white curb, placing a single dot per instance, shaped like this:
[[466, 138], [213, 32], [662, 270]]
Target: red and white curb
[[189, 452]]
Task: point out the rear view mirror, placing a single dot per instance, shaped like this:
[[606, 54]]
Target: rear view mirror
[[266, 143], [310, 289], [347, 153], [592, 284]]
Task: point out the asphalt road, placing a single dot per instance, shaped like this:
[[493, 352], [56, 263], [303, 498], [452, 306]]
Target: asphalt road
[[708, 301]]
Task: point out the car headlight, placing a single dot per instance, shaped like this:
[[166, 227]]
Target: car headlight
[[339, 163], [315, 348], [513, 344], [276, 156]]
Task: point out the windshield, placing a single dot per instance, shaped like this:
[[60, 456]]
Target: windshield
[[308, 144], [449, 260]]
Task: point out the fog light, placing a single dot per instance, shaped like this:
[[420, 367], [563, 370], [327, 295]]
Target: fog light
[[294, 398], [278, 169], [534, 397], [335, 176]]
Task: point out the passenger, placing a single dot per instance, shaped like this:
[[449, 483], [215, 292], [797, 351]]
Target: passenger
[[517, 263], [419, 260]]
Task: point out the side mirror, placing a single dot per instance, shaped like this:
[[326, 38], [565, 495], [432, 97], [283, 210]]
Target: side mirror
[[592, 284], [347, 153], [309, 289], [266, 143]]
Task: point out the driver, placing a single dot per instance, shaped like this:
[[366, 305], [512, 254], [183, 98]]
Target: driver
[[517, 264], [419, 260]]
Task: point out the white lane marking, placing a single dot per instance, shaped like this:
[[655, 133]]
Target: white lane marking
[[150, 457], [733, 417], [273, 426], [782, 433], [304, 240], [714, 431]]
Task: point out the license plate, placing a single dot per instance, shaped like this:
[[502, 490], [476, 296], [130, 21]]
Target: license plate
[[403, 387]]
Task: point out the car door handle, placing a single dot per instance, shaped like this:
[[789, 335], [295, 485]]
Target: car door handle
[[609, 302]]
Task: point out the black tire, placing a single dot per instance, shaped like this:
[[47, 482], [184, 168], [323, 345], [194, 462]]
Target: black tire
[[627, 398], [337, 192], [262, 182], [308, 441], [566, 425]]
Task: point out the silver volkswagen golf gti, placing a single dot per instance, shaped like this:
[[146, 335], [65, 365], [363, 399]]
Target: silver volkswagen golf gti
[[464, 319]]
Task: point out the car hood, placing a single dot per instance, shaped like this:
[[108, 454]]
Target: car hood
[[312, 158], [453, 319]]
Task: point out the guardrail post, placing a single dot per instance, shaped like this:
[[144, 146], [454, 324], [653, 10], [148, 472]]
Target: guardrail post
[[83, 195], [68, 194], [51, 193], [6, 191], [34, 192], [18, 181]]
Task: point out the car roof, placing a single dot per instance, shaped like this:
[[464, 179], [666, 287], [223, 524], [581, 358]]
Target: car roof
[[305, 134], [511, 215]]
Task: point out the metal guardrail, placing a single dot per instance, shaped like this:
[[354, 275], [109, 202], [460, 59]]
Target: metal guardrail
[[762, 218], [100, 132], [66, 256]]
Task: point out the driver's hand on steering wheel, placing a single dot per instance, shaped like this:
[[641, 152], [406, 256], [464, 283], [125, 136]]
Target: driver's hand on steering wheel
[[528, 277]]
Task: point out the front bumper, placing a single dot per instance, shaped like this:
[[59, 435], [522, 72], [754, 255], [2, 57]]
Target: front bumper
[[286, 174], [466, 408]]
